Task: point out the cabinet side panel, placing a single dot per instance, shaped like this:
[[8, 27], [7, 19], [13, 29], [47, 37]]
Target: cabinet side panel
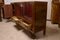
[[40, 14]]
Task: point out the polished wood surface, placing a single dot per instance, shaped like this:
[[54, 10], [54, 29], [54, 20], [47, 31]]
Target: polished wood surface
[[33, 13], [55, 13], [7, 11], [1, 4]]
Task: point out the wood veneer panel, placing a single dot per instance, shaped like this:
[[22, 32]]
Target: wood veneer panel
[[8, 11]]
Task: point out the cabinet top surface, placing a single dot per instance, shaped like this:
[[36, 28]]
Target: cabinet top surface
[[29, 1]]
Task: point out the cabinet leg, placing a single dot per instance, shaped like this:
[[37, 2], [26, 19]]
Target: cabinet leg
[[0, 19], [31, 35], [59, 25], [44, 32]]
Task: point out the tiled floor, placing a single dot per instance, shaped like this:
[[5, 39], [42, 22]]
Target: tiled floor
[[9, 32]]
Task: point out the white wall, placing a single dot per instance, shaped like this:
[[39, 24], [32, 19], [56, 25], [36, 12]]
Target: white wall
[[7, 1], [48, 7], [27, 0]]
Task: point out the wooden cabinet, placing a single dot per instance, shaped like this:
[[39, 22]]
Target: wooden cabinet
[[33, 13], [1, 4], [55, 13], [7, 11]]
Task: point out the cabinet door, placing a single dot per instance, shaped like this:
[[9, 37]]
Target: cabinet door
[[8, 11]]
